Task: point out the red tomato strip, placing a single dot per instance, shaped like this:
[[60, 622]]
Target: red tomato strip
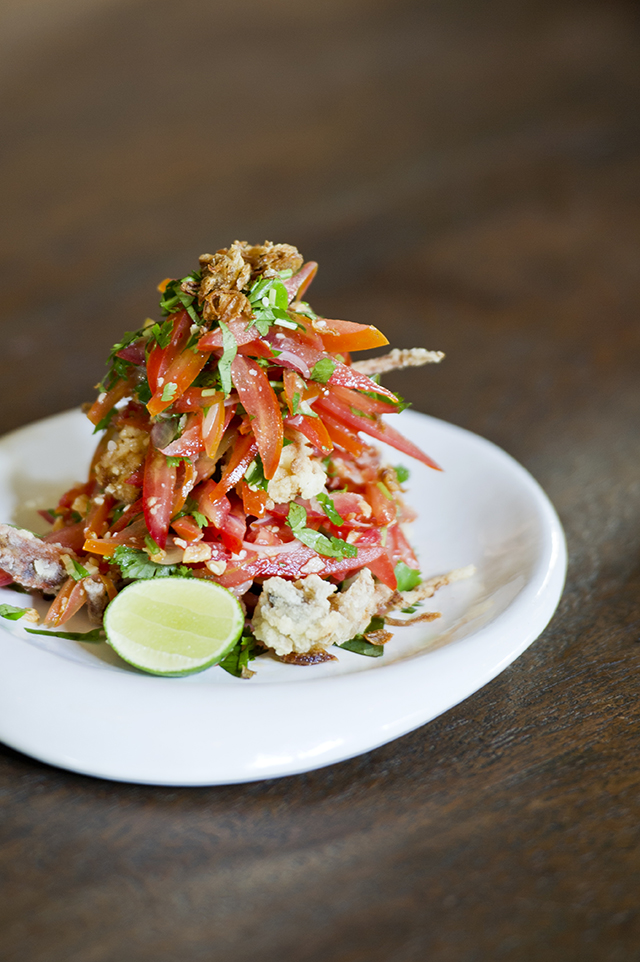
[[157, 494], [375, 429], [261, 404], [244, 453], [341, 336]]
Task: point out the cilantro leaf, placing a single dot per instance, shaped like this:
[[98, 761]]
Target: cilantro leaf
[[11, 613], [254, 475], [136, 564], [323, 369], [329, 509], [402, 473], [230, 349], [169, 391], [361, 646], [95, 635], [75, 570], [407, 578], [200, 519], [240, 655], [328, 547]]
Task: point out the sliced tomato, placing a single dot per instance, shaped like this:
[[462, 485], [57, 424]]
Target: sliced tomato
[[5, 579], [342, 435], [97, 520], [254, 502], [214, 423], [71, 537], [161, 357], [382, 568], [361, 402], [68, 601], [132, 535], [293, 384], [157, 494], [261, 404], [107, 400], [291, 565], [402, 550], [374, 428], [178, 376], [346, 376], [242, 330], [187, 528], [215, 511], [313, 429], [196, 399], [186, 476], [341, 336], [382, 505], [190, 442], [244, 453]]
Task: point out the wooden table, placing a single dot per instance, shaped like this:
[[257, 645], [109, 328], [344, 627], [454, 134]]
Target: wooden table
[[466, 174]]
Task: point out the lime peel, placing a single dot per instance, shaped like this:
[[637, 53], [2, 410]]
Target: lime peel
[[173, 626]]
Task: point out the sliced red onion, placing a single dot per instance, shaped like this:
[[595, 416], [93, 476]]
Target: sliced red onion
[[289, 359], [163, 433]]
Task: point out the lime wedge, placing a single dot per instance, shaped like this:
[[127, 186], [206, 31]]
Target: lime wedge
[[173, 626]]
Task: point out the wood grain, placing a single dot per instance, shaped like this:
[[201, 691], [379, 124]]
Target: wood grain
[[467, 177]]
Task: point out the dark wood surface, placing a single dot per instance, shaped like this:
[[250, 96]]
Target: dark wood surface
[[466, 174]]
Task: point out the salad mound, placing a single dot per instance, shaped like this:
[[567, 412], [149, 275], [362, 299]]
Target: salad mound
[[235, 447]]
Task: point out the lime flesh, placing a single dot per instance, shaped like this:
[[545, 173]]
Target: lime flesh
[[173, 626]]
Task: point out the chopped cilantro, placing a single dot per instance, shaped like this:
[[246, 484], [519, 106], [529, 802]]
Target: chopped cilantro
[[407, 578], [402, 473], [269, 301], [361, 646], [323, 369], [161, 334], [329, 509], [169, 392], [75, 570], [174, 460], [384, 490], [142, 391], [200, 519], [11, 613], [230, 349], [254, 475], [137, 564], [240, 655], [95, 635], [329, 547], [152, 545], [104, 423]]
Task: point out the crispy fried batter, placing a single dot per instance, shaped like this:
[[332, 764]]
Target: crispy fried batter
[[97, 599], [31, 562], [315, 656], [427, 589], [397, 359], [124, 455]]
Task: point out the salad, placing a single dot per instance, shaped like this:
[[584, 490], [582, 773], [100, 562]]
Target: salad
[[236, 446]]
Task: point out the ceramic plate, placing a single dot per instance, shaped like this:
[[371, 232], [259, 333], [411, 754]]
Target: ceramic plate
[[80, 707]]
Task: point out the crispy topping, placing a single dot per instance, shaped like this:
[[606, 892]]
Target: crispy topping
[[397, 359]]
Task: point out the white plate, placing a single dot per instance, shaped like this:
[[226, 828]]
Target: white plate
[[80, 707]]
